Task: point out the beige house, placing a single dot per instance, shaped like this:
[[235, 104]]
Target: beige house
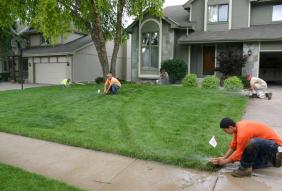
[[73, 57]]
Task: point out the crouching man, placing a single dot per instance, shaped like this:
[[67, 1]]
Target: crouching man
[[258, 88], [254, 144], [112, 85]]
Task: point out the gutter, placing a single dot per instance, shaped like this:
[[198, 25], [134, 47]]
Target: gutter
[[226, 41]]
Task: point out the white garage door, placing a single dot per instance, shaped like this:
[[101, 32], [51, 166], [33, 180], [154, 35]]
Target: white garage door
[[50, 73]]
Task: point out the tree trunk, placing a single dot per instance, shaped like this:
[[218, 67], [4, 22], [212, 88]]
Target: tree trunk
[[100, 46], [118, 35], [99, 40]]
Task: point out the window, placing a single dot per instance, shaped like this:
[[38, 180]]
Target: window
[[149, 49], [218, 13], [5, 66], [277, 13]]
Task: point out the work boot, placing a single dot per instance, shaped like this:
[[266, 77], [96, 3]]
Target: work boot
[[242, 172], [268, 95], [254, 96], [278, 160]]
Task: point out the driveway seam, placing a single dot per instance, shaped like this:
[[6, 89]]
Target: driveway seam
[[215, 183]]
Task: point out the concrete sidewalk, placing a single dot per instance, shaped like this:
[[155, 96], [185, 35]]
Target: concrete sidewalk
[[4, 86], [97, 170], [107, 172]]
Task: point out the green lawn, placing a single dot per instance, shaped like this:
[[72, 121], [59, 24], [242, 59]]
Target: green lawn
[[163, 123], [14, 179]]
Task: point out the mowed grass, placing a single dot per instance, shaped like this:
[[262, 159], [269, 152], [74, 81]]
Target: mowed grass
[[163, 123], [15, 179]]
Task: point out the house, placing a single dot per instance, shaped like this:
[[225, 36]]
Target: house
[[200, 29], [10, 67], [73, 56]]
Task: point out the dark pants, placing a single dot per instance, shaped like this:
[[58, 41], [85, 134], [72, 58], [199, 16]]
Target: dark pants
[[114, 89], [259, 153]]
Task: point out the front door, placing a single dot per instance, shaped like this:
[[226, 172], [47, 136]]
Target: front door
[[208, 60]]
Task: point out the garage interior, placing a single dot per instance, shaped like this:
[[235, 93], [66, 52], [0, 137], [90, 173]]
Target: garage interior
[[271, 67]]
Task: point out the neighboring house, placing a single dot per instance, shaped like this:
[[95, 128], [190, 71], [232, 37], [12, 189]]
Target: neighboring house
[[73, 57], [10, 67], [197, 31]]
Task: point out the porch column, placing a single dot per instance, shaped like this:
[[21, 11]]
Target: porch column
[[189, 60], [252, 64]]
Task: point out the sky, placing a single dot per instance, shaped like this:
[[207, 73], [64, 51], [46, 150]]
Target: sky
[[174, 2]]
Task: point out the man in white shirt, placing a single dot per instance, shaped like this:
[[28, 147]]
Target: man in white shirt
[[258, 87]]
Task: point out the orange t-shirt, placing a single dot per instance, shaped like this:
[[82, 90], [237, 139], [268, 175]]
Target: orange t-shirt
[[113, 81], [246, 130]]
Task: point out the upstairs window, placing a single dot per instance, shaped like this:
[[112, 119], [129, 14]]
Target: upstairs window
[[218, 13], [277, 13]]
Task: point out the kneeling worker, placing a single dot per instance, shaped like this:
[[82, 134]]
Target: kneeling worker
[[66, 83], [112, 85], [258, 87], [254, 144]]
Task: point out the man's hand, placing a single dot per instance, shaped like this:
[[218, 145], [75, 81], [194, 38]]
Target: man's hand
[[220, 161]]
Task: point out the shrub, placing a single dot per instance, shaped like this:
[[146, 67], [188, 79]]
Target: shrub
[[231, 60], [175, 68], [99, 80], [233, 84], [246, 83], [211, 82], [190, 80]]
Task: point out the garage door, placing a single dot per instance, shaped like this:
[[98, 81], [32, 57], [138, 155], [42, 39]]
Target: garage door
[[50, 73], [271, 66]]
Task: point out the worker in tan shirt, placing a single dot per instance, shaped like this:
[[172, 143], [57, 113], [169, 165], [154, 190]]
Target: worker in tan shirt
[[112, 85], [254, 144], [258, 87]]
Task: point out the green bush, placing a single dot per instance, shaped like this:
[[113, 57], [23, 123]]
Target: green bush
[[175, 68], [246, 83], [99, 80], [4, 77], [211, 82], [190, 80], [233, 84]]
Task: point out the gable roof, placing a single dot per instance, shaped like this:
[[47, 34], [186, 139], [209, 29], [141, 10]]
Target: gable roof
[[188, 3], [176, 15], [254, 33], [61, 49]]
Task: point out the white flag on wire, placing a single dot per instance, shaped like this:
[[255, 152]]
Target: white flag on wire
[[213, 142]]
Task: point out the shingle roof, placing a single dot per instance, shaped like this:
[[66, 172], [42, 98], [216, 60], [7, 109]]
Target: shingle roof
[[254, 33], [177, 14], [61, 49]]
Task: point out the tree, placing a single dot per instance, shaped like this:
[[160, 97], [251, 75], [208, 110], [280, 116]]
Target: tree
[[102, 19], [5, 39], [231, 60]]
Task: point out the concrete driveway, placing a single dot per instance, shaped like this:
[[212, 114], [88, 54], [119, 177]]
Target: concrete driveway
[[16, 86], [268, 112]]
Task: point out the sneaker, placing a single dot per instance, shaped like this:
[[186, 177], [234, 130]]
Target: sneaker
[[268, 95], [242, 172], [278, 160]]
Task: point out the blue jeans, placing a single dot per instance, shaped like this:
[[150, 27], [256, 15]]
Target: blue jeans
[[114, 89], [259, 153]]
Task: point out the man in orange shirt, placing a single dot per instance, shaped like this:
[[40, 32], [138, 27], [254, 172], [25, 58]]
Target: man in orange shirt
[[254, 144], [111, 85]]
